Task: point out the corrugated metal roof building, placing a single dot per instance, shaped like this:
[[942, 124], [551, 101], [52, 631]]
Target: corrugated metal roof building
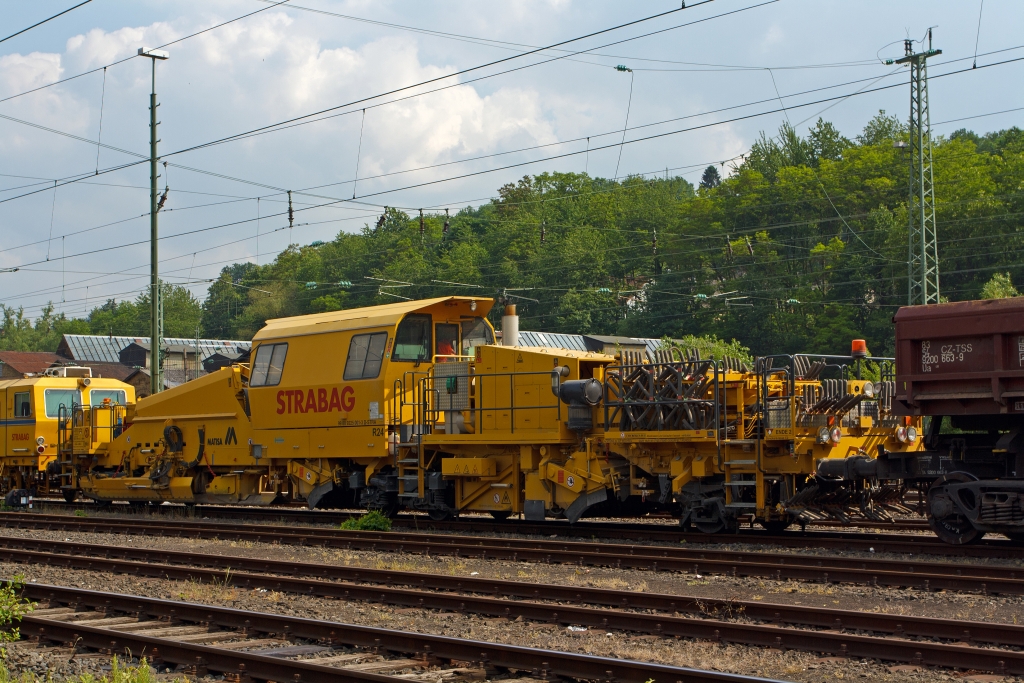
[[107, 349], [584, 342]]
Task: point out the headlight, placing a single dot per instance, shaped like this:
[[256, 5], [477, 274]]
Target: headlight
[[823, 435], [869, 389], [40, 440], [837, 435], [901, 434], [911, 434]]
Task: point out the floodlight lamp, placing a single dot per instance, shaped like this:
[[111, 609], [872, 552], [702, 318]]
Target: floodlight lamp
[[154, 53]]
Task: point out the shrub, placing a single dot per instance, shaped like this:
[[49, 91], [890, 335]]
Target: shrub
[[12, 608], [371, 521]]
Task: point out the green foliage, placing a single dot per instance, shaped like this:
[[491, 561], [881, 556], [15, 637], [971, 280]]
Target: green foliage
[[711, 347], [711, 178], [999, 287], [801, 248], [182, 314], [12, 608], [19, 333], [371, 521]]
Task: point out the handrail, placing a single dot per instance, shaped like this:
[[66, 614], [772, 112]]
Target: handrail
[[426, 389]]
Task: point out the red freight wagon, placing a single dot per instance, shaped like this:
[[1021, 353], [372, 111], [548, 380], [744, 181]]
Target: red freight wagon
[[962, 364], [964, 358]]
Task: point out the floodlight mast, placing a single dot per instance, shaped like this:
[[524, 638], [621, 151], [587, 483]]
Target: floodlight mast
[[923, 251], [156, 313]]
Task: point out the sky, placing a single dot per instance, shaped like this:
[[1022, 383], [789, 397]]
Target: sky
[[704, 82]]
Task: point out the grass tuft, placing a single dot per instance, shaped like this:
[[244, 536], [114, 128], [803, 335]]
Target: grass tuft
[[371, 521]]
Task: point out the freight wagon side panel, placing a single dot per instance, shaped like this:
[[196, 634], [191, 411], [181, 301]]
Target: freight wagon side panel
[[963, 358]]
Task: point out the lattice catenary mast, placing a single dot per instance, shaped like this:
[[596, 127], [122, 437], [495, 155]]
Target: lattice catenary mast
[[923, 252]]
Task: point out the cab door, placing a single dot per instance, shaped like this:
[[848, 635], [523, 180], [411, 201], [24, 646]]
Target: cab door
[[3, 419], [20, 422]]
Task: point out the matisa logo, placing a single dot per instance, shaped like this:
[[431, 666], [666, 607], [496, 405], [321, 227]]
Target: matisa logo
[[316, 400]]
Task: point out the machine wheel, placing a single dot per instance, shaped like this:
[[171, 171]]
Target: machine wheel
[[948, 524], [439, 514], [69, 495], [776, 526], [501, 515], [710, 518]]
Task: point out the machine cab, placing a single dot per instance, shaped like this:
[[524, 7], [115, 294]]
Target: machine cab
[[329, 384]]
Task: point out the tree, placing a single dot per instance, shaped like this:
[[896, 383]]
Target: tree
[[19, 333], [710, 180], [826, 142], [881, 129], [1000, 286]]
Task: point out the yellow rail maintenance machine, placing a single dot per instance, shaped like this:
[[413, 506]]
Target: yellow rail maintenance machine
[[36, 410], [412, 405]]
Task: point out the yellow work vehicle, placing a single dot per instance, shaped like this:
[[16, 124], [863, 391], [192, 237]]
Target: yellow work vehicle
[[413, 405], [35, 411]]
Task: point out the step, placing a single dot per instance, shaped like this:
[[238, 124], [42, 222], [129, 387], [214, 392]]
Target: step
[[742, 505], [731, 463], [740, 483], [409, 461]]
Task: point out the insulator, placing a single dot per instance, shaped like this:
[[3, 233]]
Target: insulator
[[542, 232], [422, 227], [291, 212], [383, 217], [446, 222]]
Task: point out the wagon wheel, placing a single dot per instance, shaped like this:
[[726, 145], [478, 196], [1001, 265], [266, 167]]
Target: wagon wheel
[[943, 515]]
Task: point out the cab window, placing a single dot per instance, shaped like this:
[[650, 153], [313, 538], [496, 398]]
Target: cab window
[[412, 340], [475, 332], [268, 366], [116, 396], [22, 405], [365, 353], [55, 398], [447, 341]]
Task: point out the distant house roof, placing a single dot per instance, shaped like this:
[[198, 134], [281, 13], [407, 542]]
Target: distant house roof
[[30, 361], [107, 349]]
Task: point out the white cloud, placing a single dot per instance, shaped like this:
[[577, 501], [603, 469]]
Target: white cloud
[[19, 73], [97, 47]]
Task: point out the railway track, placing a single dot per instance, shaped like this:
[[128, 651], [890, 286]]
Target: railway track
[[981, 578], [652, 532], [245, 645], [899, 638]]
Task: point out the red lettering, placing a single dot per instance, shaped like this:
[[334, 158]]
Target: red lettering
[[310, 402], [321, 400], [348, 399], [300, 403], [335, 400], [280, 403]]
